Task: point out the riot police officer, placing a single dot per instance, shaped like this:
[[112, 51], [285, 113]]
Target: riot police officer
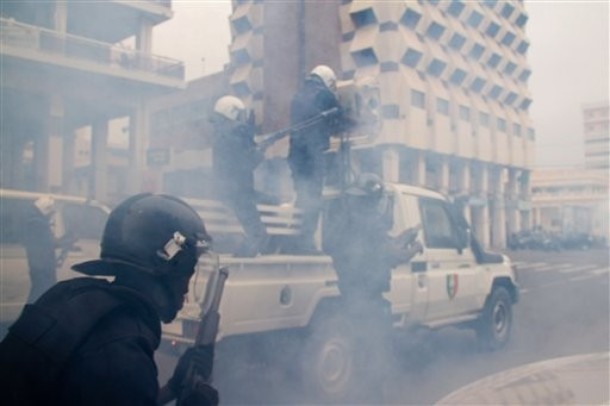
[[363, 256], [40, 243], [235, 156], [307, 146], [88, 341]]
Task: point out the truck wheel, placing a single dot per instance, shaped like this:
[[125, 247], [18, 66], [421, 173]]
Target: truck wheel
[[494, 327], [328, 360]]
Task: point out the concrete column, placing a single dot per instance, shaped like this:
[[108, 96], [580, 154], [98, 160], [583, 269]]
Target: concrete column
[[60, 17], [524, 194], [419, 169], [144, 37], [138, 143], [480, 211], [443, 175], [99, 161], [68, 162], [390, 161], [498, 230], [48, 149], [464, 186], [512, 202]]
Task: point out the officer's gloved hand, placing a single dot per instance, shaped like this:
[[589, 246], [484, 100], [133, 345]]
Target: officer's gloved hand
[[201, 358]]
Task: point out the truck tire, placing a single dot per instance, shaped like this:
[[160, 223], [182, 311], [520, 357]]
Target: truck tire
[[328, 360], [494, 327]]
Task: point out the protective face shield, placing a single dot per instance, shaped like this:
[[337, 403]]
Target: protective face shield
[[46, 205], [327, 75], [231, 109], [155, 234]]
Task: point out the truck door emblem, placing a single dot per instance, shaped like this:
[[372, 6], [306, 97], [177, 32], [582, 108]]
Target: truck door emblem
[[452, 285]]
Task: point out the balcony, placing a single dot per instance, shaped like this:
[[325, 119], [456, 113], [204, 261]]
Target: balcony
[[26, 42]]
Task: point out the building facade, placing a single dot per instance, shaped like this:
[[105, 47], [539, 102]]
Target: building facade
[[596, 117], [453, 84], [572, 200], [73, 65]]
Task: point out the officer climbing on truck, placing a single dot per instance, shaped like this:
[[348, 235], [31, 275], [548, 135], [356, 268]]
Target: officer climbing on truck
[[306, 155], [235, 156]]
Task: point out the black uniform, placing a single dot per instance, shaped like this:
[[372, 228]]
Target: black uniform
[[84, 342], [306, 154], [40, 244], [235, 157], [364, 254]]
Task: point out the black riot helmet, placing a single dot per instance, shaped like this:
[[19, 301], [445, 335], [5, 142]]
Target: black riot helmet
[[150, 233], [366, 185]]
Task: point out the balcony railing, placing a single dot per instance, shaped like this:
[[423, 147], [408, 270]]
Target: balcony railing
[[53, 43]]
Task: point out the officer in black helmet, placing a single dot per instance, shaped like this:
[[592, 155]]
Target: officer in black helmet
[[88, 341], [363, 256]]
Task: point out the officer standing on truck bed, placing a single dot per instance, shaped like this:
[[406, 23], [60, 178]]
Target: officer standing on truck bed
[[306, 157], [88, 341], [234, 157], [363, 256]]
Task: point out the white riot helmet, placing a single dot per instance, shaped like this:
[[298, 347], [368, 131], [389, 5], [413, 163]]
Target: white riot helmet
[[231, 108], [327, 75], [45, 204]]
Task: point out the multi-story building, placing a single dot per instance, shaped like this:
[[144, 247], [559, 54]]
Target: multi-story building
[[571, 200], [453, 84], [597, 137], [73, 66]]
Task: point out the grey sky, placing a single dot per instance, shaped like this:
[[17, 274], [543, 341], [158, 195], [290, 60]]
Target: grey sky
[[569, 56]]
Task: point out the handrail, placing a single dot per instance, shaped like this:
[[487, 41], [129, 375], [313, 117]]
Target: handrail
[[24, 36]]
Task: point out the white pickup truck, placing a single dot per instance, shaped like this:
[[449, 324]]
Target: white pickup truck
[[283, 306]]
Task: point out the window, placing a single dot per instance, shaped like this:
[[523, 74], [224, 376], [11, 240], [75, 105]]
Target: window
[[525, 104], [436, 67], [492, 29], [365, 57], [442, 106], [517, 130], [501, 123], [484, 119], [418, 99], [522, 48], [411, 58], [410, 19], [508, 38], [477, 85], [455, 8], [510, 68], [474, 19], [494, 60], [510, 99], [364, 17], [507, 10], [521, 20], [437, 226], [435, 30], [457, 77], [457, 41], [464, 113], [525, 75], [494, 92], [476, 51]]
